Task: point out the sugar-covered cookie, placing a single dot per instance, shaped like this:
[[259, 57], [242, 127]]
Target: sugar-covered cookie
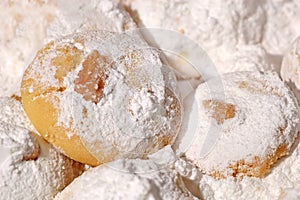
[[99, 96], [30, 168], [130, 179], [246, 127]]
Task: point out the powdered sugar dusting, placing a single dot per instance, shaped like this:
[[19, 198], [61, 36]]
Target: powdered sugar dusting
[[32, 168], [12, 112], [277, 185], [135, 179], [290, 69], [31, 24], [136, 110], [243, 26], [265, 116]]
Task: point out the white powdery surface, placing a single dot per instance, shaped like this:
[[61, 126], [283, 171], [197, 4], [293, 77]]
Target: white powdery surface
[[265, 118], [29, 167], [12, 112], [290, 68], [282, 25], [281, 183], [29, 25], [135, 110], [225, 28], [130, 179]]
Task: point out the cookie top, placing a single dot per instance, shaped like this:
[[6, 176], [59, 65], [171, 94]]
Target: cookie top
[[290, 67], [110, 90], [245, 126]]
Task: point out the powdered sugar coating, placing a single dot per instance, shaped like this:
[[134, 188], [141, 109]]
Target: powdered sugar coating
[[290, 67], [133, 179], [285, 174], [223, 33], [257, 125], [30, 168], [13, 113], [136, 111], [29, 25], [214, 28]]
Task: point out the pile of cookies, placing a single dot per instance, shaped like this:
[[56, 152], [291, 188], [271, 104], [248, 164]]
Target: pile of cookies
[[101, 103]]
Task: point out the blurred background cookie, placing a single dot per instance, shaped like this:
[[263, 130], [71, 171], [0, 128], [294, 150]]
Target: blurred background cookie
[[29, 25], [290, 68]]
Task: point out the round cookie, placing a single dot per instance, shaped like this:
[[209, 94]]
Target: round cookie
[[133, 179], [245, 131], [30, 168], [99, 96]]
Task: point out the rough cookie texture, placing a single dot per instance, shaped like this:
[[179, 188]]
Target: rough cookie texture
[[254, 119], [99, 96], [30, 168]]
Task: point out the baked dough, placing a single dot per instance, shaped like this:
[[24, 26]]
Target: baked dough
[[99, 96]]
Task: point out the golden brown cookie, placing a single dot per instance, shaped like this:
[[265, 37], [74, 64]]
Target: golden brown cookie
[[99, 96]]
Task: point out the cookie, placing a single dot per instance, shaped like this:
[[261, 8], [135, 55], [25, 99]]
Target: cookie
[[245, 127], [30, 168], [99, 96], [133, 179]]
